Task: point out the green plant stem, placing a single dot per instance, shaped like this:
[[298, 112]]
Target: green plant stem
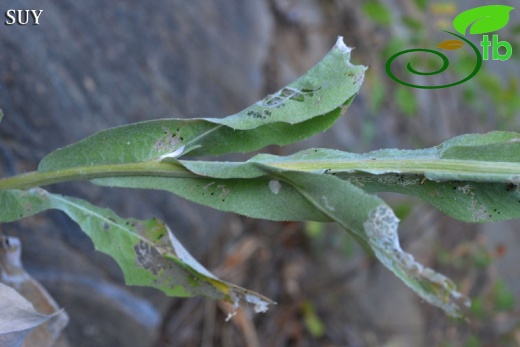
[[435, 169], [38, 179]]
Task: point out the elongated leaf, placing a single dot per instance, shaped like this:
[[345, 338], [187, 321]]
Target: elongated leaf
[[471, 177], [483, 19], [262, 197], [309, 105], [368, 219], [1, 115], [349, 208], [147, 251]]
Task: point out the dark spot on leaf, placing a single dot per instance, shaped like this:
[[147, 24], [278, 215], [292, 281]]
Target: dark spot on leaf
[[510, 187], [106, 226], [147, 257]]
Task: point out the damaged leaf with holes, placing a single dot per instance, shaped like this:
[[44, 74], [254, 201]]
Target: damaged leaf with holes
[[306, 107], [471, 177], [147, 251], [330, 185], [261, 188]]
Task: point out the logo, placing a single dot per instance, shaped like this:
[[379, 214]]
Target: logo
[[480, 21]]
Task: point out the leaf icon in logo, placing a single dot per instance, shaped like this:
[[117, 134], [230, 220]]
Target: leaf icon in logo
[[450, 45], [483, 19]]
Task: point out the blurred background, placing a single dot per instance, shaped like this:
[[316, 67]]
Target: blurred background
[[94, 64]]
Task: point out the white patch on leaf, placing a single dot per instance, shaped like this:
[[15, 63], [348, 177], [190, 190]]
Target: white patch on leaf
[[275, 186], [342, 46], [173, 154], [260, 305], [328, 206]]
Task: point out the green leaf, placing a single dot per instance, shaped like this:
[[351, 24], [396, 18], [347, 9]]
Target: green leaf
[[308, 106], [406, 100], [494, 146], [282, 194], [314, 185], [421, 4], [471, 177], [1, 115], [439, 175], [413, 23], [503, 299], [377, 12], [483, 19], [515, 30], [147, 251], [312, 321], [377, 92]]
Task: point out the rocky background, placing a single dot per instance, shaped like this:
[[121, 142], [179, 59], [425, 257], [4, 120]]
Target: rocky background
[[91, 65]]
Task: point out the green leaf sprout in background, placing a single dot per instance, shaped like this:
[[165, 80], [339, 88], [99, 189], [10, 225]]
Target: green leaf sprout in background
[[471, 177]]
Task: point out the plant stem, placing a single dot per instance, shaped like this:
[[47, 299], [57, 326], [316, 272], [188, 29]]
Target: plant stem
[[435, 169], [38, 179]]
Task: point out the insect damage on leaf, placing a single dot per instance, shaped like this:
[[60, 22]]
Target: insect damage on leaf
[[309, 105], [170, 144], [435, 288], [478, 210], [171, 267], [281, 97], [146, 250]]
